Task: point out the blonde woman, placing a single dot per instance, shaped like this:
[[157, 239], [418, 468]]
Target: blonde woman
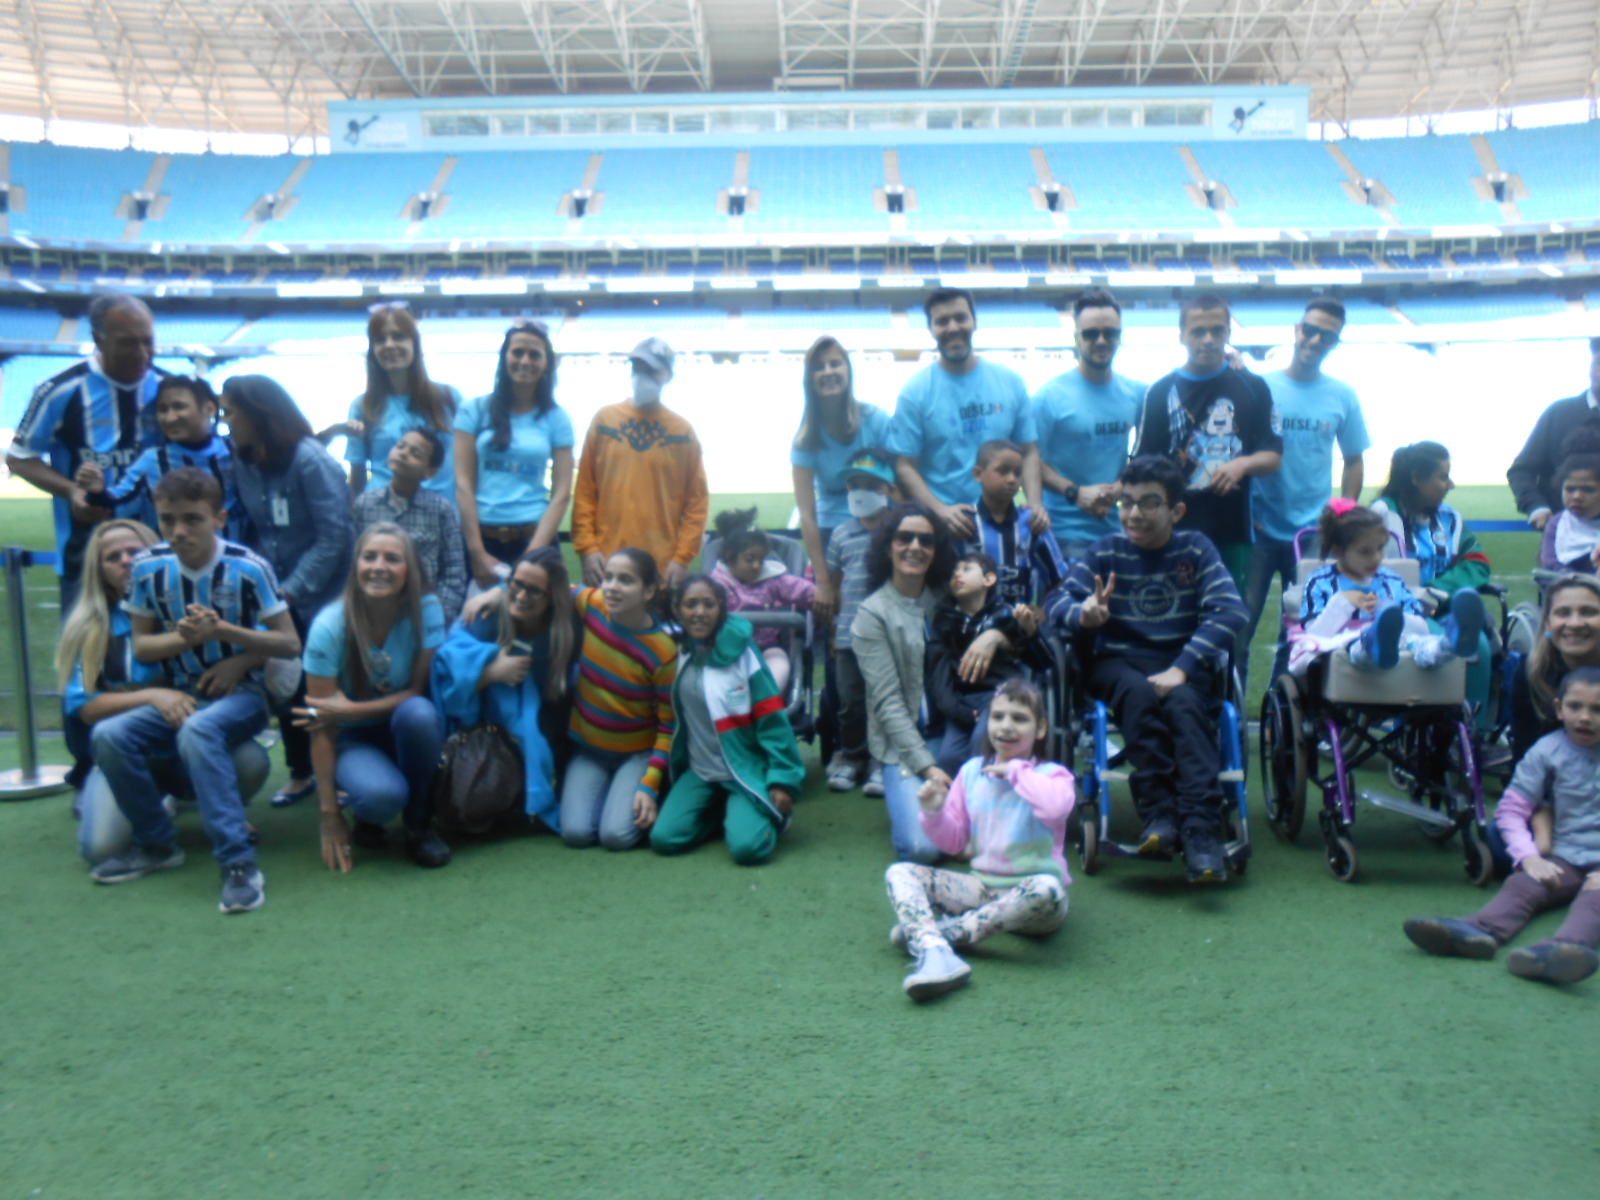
[[100, 678], [375, 734]]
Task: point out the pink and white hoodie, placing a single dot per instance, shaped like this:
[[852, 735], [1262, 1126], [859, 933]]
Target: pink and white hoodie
[[776, 591]]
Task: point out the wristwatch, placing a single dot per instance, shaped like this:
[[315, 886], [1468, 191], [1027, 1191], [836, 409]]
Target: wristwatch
[[1071, 492]]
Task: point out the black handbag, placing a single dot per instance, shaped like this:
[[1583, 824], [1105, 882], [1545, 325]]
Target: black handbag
[[480, 778]]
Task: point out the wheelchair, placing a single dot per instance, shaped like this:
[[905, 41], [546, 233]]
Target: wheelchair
[[798, 638], [1083, 741], [1320, 729]]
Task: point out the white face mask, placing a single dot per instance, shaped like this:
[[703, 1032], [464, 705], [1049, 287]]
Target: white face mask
[[646, 389], [864, 502]]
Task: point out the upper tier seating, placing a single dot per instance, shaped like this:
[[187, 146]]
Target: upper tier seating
[[1430, 178], [661, 191], [1126, 186], [1492, 306], [1283, 183], [355, 198], [508, 194], [1560, 165], [74, 192], [29, 324], [816, 188], [212, 196], [971, 187]]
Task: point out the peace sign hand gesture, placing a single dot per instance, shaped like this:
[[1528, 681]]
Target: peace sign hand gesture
[[1096, 612]]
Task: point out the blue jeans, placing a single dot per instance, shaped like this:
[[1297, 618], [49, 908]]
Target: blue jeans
[[911, 842], [126, 744], [597, 799], [956, 744], [102, 829], [1268, 558], [389, 769]]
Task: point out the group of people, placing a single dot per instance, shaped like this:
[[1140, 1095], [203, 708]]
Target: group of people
[[421, 591]]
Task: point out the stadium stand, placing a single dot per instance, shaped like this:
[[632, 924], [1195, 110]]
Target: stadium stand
[[1131, 186], [1492, 306], [971, 187], [280, 326], [212, 197], [1278, 184], [500, 194], [823, 189], [172, 329], [640, 199], [1414, 262], [347, 198], [1264, 262], [1018, 314], [74, 192], [1431, 185], [1560, 166], [1262, 313], [29, 324]]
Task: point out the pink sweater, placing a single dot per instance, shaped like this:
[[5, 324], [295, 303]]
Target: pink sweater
[[1010, 827], [775, 591]]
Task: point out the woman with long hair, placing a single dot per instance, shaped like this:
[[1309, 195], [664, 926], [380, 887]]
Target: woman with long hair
[[99, 678], [506, 444], [399, 397], [1569, 637], [834, 429], [375, 736], [512, 666], [298, 507]]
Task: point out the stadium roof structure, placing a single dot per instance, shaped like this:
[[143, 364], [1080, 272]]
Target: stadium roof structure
[[270, 66]]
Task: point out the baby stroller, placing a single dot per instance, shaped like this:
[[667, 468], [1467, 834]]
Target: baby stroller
[[1086, 732], [1321, 728], [798, 638]]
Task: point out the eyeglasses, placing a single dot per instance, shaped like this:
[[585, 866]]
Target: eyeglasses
[[515, 588], [1315, 333], [389, 306], [531, 325], [905, 537], [1100, 335], [1146, 503]]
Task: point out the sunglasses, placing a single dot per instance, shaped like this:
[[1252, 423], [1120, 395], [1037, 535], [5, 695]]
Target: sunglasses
[[1315, 333], [515, 588], [907, 538], [1100, 335], [531, 325]]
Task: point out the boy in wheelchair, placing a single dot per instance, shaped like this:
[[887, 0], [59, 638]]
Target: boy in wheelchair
[[1164, 614]]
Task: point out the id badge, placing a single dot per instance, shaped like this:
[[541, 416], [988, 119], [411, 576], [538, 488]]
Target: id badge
[[280, 510]]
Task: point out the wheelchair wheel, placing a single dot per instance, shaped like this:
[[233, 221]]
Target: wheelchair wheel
[[1284, 767], [1089, 842], [1342, 860]]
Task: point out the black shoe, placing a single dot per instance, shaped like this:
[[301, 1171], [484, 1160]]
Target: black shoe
[[1451, 936], [1159, 838], [1202, 854], [427, 848], [369, 836], [1553, 961]]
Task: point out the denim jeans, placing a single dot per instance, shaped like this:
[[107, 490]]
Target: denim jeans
[[388, 769], [911, 842], [102, 829], [597, 798], [1269, 559], [956, 744], [126, 744]]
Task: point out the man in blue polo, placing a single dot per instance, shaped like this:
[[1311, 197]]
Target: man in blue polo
[[100, 410], [1316, 413], [1083, 418], [948, 410]]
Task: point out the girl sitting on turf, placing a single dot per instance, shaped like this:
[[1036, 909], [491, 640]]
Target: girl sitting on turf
[[756, 583], [1356, 604], [1006, 812], [1558, 773], [732, 740], [375, 733], [622, 720]]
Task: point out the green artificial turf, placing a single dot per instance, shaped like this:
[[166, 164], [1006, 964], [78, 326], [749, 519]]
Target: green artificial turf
[[538, 1021]]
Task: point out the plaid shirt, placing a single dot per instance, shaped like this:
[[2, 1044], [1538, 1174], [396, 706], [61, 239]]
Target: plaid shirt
[[435, 527]]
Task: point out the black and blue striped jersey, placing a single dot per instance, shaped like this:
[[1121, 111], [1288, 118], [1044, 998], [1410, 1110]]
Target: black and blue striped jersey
[[238, 584]]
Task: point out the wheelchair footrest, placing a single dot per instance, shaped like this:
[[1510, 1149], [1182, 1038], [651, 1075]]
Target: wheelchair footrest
[[1230, 776], [1431, 817], [1116, 776]]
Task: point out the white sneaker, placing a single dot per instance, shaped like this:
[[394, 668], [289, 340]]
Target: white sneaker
[[939, 970], [873, 787], [844, 774]]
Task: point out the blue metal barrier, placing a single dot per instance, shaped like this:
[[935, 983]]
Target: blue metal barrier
[[30, 780]]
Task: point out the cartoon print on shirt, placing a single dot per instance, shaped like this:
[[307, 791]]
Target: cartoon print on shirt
[[1214, 441]]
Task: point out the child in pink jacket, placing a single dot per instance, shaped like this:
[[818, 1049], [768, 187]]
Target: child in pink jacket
[[1007, 813], [756, 583]]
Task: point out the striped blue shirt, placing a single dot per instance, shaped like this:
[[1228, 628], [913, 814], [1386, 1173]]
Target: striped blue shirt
[[130, 493], [238, 584], [1030, 563], [847, 558], [1177, 603]]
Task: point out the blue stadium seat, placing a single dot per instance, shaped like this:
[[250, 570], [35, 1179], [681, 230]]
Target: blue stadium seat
[[212, 195], [29, 325], [508, 193], [1560, 164], [808, 189], [662, 191], [1127, 186], [971, 187], [355, 198], [1430, 178], [73, 192], [1489, 306], [1281, 184]]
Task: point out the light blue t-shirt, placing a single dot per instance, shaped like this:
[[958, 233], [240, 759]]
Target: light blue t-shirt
[[511, 482], [1314, 416], [1083, 432], [391, 664], [832, 498], [372, 451], [941, 419]]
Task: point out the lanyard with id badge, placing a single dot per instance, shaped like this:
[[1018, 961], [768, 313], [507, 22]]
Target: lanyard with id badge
[[280, 511]]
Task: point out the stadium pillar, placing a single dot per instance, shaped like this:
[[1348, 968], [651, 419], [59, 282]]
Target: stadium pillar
[[30, 780]]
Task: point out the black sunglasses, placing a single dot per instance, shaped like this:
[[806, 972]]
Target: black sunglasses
[[1313, 333], [1100, 335], [905, 537]]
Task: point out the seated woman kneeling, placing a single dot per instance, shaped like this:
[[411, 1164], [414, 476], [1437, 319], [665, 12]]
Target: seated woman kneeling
[[510, 667], [375, 735], [731, 736]]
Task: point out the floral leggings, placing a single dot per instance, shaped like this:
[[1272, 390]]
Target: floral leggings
[[970, 909]]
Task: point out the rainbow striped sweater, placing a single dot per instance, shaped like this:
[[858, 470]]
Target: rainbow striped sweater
[[624, 700]]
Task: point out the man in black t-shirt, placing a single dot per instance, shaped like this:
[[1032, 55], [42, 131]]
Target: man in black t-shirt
[[1219, 425]]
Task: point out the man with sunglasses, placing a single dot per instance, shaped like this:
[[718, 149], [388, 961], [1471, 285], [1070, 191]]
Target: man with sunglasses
[[1316, 413], [1083, 417]]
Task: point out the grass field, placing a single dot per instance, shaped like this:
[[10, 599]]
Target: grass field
[[537, 1021]]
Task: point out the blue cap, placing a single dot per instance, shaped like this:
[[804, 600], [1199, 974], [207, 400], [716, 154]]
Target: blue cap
[[866, 463]]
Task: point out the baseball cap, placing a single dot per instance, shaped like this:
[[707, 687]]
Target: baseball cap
[[654, 353], [866, 463]]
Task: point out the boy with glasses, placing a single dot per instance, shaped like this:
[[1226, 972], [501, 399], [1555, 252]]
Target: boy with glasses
[[1082, 418], [1164, 614]]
